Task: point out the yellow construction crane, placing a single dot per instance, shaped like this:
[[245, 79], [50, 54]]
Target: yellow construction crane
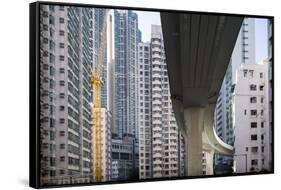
[[97, 82]]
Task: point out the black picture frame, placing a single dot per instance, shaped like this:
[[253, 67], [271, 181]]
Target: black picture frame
[[34, 98]]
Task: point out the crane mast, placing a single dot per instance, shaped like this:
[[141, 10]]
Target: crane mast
[[97, 82]]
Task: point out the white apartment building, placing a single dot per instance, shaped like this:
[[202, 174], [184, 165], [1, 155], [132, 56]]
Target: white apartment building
[[243, 53], [106, 148], [161, 147], [252, 133], [144, 111]]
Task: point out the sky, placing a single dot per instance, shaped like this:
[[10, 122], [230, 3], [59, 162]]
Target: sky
[[146, 19], [261, 39]]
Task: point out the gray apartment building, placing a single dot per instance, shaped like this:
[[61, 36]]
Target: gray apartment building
[[126, 37], [66, 60]]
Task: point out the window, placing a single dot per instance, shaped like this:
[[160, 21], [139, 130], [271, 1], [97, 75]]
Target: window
[[52, 32], [254, 162], [61, 20], [261, 112], [253, 99], [61, 8], [261, 99], [262, 137], [245, 72], [52, 45], [61, 45], [52, 135], [262, 149], [45, 53], [61, 70], [62, 120], [45, 14], [62, 146], [62, 83], [261, 75], [261, 87], [45, 27], [253, 112], [52, 58], [246, 149], [62, 95], [61, 58], [62, 133], [251, 73], [46, 67], [253, 87], [262, 124], [52, 8], [61, 33], [45, 40], [254, 149], [61, 108], [52, 173], [51, 20], [254, 137], [254, 124], [245, 112]]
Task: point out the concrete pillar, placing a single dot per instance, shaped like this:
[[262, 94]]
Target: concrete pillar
[[208, 129], [193, 124]]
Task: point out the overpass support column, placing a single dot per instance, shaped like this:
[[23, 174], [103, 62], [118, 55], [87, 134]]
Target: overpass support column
[[207, 132], [193, 124]]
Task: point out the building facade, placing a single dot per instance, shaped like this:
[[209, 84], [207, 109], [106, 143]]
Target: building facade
[[144, 111], [251, 119], [106, 148], [66, 65], [123, 158], [126, 38], [243, 53]]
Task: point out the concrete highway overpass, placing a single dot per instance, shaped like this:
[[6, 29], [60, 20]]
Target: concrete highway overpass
[[198, 50]]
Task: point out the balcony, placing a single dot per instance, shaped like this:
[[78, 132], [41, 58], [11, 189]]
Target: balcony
[[157, 135], [157, 162], [157, 155], [157, 142], [156, 75], [157, 89], [157, 128], [156, 102], [156, 62], [156, 108], [156, 48], [156, 82], [156, 55], [157, 115], [156, 69], [156, 42], [156, 122], [157, 148]]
